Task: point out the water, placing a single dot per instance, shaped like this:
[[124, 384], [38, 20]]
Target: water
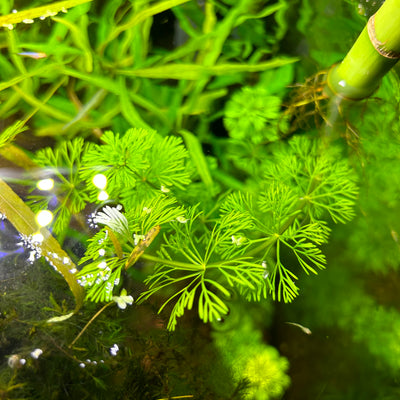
[[337, 340]]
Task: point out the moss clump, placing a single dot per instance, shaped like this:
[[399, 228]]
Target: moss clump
[[266, 374]]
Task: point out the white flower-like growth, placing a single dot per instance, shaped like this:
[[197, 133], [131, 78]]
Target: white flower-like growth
[[114, 350], [36, 353], [238, 240], [122, 300], [114, 219]]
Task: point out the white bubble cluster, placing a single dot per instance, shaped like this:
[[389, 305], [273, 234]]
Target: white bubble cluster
[[53, 257], [31, 243], [90, 220], [90, 362], [100, 276]]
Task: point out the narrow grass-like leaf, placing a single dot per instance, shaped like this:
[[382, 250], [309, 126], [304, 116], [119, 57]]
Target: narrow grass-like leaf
[[48, 10], [81, 41], [45, 108], [262, 14], [136, 19], [10, 132], [128, 110], [96, 80], [197, 155], [195, 71], [36, 72], [203, 103], [17, 156]]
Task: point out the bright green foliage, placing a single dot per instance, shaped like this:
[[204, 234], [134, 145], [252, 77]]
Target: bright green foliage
[[119, 158], [116, 80], [302, 186], [203, 273], [266, 373], [137, 165], [197, 219], [262, 115], [63, 164], [124, 236], [310, 170], [253, 117], [212, 242], [200, 259], [261, 366], [140, 165], [11, 132]]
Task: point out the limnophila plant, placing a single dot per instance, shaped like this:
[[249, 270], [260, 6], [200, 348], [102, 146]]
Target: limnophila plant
[[148, 174], [187, 187]]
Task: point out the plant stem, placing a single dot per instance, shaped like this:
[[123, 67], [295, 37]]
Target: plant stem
[[91, 320], [374, 53], [272, 240], [176, 264]]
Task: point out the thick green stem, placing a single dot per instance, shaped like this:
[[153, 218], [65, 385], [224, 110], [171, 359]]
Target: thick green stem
[[375, 52]]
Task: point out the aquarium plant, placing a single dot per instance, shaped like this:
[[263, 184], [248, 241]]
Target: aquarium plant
[[185, 196]]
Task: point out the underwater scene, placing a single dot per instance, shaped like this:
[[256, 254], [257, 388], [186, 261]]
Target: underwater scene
[[200, 199]]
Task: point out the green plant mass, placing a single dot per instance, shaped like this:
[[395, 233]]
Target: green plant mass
[[192, 204]]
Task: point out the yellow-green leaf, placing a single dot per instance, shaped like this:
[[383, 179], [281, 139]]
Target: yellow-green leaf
[[23, 219], [8, 135], [196, 152], [195, 71], [48, 10], [60, 318], [141, 16]]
